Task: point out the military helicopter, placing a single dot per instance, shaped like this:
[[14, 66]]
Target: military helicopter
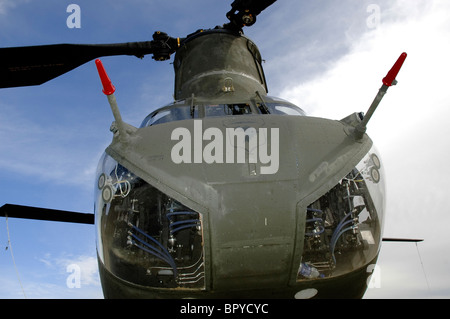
[[175, 213]]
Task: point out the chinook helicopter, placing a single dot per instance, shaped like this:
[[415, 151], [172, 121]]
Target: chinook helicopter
[[173, 212]]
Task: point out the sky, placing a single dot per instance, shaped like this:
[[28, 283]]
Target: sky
[[326, 56]]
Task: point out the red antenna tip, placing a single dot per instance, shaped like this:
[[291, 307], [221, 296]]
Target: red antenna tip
[[108, 87], [392, 74]]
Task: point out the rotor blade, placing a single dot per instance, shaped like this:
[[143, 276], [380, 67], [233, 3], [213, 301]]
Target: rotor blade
[[34, 65], [28, 212], [253, 6], [404, 240]]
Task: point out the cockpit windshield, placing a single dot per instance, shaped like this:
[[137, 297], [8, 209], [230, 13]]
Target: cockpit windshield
[[173, 112], [287, 109], [227, 109], [183, 110]]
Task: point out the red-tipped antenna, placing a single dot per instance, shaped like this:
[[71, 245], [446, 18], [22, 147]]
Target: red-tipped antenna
[[118, 127], [389, 79], [108, 87]]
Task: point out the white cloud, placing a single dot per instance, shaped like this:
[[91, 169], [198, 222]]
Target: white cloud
[[50, 282], [87, 265], [5, 5], [410, 127], [48, 151], [351, 82], [65, 265]]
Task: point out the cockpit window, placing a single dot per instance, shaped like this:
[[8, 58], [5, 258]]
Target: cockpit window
[[280, 109], [183, 110], [227, 109], [287, 109], [175, 112]]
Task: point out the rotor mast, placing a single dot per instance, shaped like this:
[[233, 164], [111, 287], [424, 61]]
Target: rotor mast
[[35, 65], [216, 64]]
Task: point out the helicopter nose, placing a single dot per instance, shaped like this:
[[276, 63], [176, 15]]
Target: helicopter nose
[[253, 233], [251, 179]]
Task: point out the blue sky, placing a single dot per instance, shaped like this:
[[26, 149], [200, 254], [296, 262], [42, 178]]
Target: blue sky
[[325, 56]]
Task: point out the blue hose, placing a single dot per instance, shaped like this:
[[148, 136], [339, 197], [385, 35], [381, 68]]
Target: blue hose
[[152, 239], [191, 222], [154, 251], [172, 264], [184, 222], [339, 226], [172, 231], [333, 244], [164, 251]]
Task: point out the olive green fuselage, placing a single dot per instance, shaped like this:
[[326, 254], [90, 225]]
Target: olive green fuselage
[[252, 222]]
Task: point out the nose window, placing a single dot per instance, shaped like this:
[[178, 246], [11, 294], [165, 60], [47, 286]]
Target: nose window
[[343, 227], [144, 236]]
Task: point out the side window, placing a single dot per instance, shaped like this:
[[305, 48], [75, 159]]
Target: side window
[[285, 109], [280, 108], [155, 117]]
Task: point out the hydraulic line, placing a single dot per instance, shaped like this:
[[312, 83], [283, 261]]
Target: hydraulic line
[[172, 231], [339, 226], [333, 244], [321, 228], [190, 222], [151, 250], [164, 252]]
